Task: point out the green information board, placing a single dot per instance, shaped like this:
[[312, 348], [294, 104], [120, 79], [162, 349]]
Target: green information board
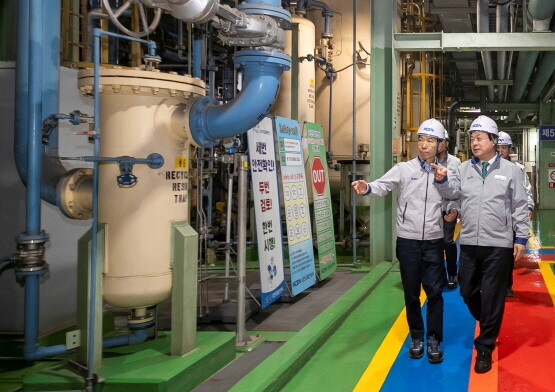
[[323, 217]]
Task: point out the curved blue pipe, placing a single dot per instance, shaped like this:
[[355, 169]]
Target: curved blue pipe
[[31, 349], [38, 74], [210, 122]]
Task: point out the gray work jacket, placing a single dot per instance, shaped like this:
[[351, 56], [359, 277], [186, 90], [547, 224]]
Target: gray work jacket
[[528, 187], [491, 208], [419, 215], [451, 162]]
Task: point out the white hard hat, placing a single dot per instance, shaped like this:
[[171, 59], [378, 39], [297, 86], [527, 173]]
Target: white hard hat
[[484, 124], [432, 128], [504, 139], [446, 135]]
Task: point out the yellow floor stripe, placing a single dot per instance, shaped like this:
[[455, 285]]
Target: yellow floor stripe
[[548, 278], [375, 374]]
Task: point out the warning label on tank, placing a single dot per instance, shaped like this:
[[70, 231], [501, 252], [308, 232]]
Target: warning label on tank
[[181, 163]]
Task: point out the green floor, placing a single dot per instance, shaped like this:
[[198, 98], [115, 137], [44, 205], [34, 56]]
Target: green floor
[[347, 333]]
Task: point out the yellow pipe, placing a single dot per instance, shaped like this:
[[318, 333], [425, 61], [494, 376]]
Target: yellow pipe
[[422, 87]]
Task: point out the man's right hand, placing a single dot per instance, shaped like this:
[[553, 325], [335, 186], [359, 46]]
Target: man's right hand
[[440, 172], [359, 186]]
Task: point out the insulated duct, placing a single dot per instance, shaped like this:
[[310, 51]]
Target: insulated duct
[[501, 19], [483, 27], [539, 10]]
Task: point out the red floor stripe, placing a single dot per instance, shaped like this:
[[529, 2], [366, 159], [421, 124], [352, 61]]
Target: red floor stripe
[[485, 382], [527, 338]]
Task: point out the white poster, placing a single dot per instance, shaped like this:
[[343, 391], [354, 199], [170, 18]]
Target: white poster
[[266, 208]]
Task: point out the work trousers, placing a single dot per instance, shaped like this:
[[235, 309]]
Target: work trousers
[[483, 275], [421, 263], [450, 247]]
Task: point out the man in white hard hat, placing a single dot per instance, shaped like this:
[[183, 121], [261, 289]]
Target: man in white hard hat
[[493, 204], [450, 213], [419, 238], [504, 147]]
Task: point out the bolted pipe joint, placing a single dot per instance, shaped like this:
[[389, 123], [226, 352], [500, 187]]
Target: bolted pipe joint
[[210, 122], [30, 254]]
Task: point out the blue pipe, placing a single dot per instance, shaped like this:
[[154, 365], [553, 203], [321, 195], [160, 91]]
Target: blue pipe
[[34, 150], [137, 336], [31, 350], [97, 33], [209, 121], [47, 44], [197, 55], [51, 67], [22, 90]]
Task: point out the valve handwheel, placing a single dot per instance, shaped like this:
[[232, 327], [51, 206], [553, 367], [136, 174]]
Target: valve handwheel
[[145, 27]]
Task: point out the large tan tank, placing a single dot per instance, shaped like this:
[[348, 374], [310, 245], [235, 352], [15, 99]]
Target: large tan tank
[[305, 93], [141, 112]]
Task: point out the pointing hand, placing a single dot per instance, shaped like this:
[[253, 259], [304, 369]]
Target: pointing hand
[[440, 172]]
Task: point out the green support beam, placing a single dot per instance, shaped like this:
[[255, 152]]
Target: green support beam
[[382, 126], [473, 42]]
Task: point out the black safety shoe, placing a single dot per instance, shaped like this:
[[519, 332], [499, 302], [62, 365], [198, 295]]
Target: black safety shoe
[[483, 361], [435, 354], [416, 349], [510, 293], [452, 282]]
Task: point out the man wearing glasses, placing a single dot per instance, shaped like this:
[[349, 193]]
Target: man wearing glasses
[[419, 244], [493, 204]]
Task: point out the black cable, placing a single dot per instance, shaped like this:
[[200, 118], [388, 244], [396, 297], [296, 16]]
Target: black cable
[[350, 65]]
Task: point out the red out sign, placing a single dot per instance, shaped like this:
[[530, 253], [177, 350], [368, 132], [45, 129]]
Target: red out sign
[[318, 176]]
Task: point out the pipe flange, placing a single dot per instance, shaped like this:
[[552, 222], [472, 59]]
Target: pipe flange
[[197, 120], [75, 193], [138, 322], [282, 16], [263, 57], [140, 82]]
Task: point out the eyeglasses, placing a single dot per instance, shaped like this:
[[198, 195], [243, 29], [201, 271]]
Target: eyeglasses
[[426, 141]]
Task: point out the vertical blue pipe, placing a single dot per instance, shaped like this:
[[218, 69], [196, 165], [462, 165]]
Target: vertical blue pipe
[[51, 67], [31, 315], [197, 55], [22, 89], [94, 240], [34, 145]]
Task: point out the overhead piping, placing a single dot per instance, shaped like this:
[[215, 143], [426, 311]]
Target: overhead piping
[[501, 18], [539, 10], [546, 68], [483, 27]]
